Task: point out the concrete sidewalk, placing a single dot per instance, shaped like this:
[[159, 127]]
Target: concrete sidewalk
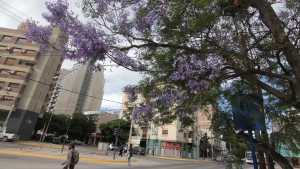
[[55, 153], [181, 159]]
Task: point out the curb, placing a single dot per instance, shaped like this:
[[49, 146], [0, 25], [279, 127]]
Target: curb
[[178, 159], [58, 157], [33, 144]]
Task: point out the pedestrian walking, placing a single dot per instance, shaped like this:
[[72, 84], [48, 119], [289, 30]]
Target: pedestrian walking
[[130, 154], [121, 150], [72, 158]]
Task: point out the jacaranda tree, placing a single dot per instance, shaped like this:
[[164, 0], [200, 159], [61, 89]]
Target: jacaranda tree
[[188, 48]]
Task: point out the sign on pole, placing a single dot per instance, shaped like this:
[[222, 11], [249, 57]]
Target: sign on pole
[[248, 116]]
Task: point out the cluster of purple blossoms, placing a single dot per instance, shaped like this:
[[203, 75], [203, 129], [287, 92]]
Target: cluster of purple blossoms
[[143, 112], [168, 97], [85, 40], [58, 13], [39, 34], [121, 58], [150, 15], [131, 92], [196, 72]]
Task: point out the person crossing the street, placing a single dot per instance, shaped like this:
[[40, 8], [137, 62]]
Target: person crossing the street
[[72, 158]]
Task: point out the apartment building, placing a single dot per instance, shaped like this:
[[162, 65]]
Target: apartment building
[[159, 140], [81, 90], [26, 75], [170, 140], [100, 118]]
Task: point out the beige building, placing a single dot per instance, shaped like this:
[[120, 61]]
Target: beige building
[[102, 117], [82, 90], [26, 76], [161, 140]]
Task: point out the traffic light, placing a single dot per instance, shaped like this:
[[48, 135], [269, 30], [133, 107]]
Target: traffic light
[[116, 132]]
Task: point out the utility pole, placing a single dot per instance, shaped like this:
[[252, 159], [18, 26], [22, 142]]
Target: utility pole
[[51, 105], [212, 148], [8, 117], [66, 136], [131, 128], [116, 134], [13, 107]]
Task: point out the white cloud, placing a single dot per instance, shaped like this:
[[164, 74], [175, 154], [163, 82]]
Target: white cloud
[[115, 77], [115, 80]]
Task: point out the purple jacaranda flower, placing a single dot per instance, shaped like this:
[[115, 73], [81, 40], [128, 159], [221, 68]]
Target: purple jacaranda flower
[[196, 71], [39, 34], [85, 40], [143, 112], [131, 92]]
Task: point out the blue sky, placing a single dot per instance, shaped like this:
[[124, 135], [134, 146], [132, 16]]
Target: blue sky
[[13, 12]]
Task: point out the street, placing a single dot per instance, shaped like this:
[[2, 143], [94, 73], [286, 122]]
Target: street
[[13, 162], [8, 161]]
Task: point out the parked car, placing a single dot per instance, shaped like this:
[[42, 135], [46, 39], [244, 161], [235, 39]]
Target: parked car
[[60, 139], [113, 147], [139, 150], [5, 136], [248, 157], [77, 142]]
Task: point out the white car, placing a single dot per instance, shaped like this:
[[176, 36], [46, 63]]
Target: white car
[[4, 136]]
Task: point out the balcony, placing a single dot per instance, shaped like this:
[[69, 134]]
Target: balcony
[[9, 93], [11, 32], [18, 55], [6, 104], [12, 79], [28, 46], [26, 69]]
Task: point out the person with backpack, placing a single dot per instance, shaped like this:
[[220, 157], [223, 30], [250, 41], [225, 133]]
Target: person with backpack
[[130, 154], [72, 158], [121, 150]]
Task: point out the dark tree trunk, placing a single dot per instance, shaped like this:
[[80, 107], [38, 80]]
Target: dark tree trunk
[[271, 20], [269, 150], [261, 160], [282, 161]]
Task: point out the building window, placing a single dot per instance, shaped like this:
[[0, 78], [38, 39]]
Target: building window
[[10, 61], [22, 41], [21, 74], [32, 52], [7, 39], [5, 72], [26, 63], [2, 85], [165, 132], [14, 87], [191, 134]]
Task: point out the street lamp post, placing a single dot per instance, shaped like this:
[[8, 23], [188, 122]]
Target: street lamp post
[[131, 128], [13, 107], [8, 117], [67, 133], [51, 105]]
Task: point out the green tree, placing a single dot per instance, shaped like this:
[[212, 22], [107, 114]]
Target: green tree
[[107, 131], [57, 125], [193, 47], [81, 126], [78, 127]]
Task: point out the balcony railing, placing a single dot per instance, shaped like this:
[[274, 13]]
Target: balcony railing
[[6, 102], [12, 78]]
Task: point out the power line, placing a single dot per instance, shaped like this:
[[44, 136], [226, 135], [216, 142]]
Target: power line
[[15, 9], [71, 91], [9, 14], [19, 19]]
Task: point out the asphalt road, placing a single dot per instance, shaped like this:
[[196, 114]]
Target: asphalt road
[[22, 162], [13, 162]]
